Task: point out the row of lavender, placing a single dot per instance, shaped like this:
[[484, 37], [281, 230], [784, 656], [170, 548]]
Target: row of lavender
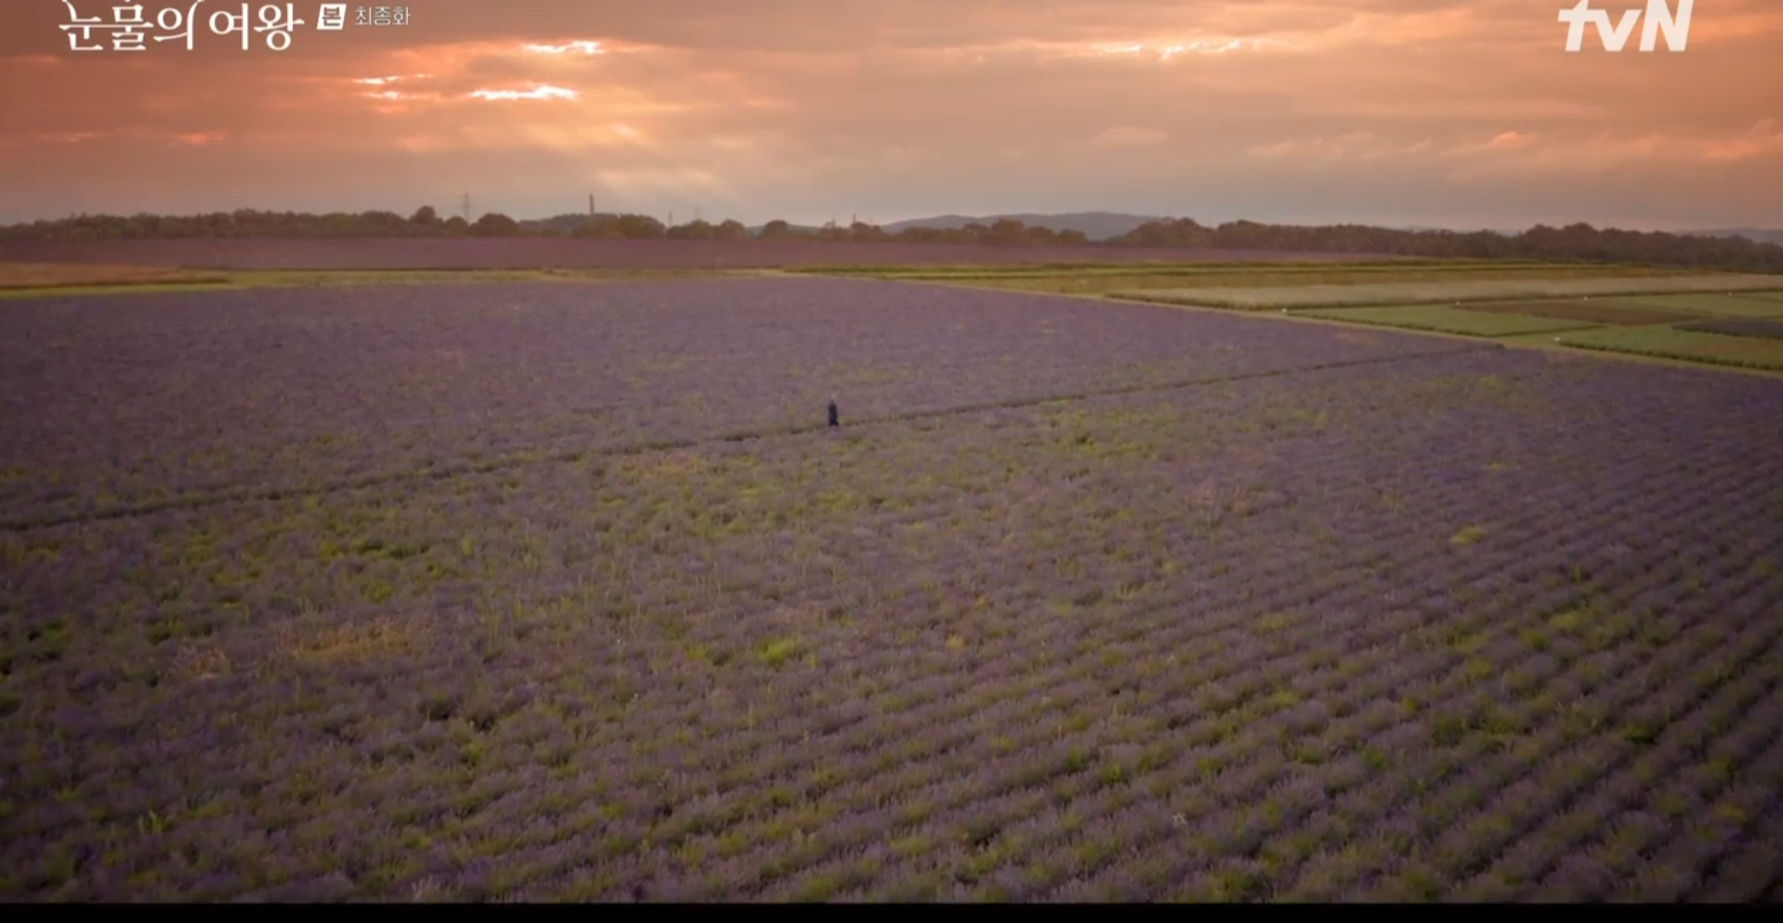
[[116, 403], [1439, 627]]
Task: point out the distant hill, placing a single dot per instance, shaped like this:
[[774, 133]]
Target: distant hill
[[1756, 235], [1094, 225]]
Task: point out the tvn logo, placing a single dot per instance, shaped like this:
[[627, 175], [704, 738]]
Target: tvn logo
[[1660, 18]]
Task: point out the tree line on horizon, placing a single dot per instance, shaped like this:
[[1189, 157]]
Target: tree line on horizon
[[1575, 242]]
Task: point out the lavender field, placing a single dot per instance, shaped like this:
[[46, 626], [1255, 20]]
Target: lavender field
[[122, 405], [566, 593]]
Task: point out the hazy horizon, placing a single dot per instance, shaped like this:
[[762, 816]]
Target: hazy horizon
[[1430, 113]]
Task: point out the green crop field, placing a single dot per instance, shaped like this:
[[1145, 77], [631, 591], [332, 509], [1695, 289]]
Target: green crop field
[[1688, 345], [1414, 293], [1163, 267], [1745, 304]]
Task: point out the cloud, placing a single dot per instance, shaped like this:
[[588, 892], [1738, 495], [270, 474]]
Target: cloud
[[1130, 137], [581, 47], [1763, 139], [533, 92], [1351, 146], [1599, 152], [1252, 106], [135, 137]]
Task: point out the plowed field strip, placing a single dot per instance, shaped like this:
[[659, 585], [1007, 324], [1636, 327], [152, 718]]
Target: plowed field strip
[[1137, 622], [1254, 787]]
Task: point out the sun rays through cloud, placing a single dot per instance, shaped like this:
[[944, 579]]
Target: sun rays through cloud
[[533, 92], [578, 47]]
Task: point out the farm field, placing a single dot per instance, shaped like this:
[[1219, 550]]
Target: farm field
[[1680, 342], [65, 275], [542, 591], [1739, 327], [36, 280], [304, 389], [1389, 294], [1307, 263], [571, 253], [1103, 280], [1447, 319], [27, 280], [1597, 312], [1745, 304]]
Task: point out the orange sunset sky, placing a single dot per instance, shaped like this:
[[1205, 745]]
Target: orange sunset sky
[[1399, 112]]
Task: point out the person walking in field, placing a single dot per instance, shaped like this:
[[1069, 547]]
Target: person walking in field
[[835, 419]]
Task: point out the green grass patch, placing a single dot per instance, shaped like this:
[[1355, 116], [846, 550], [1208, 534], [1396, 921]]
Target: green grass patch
[[1685, 345], [1394, 294], [1468, 536], [1161, 267], [1446, 319], [70, 291], [16, 276], [778, 653]]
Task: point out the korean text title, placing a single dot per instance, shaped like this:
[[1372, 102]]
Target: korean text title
[[130, 27]]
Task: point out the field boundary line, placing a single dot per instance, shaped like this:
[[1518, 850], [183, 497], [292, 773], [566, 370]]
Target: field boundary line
[[1716, 362], [524, 458], [1410, 329]]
